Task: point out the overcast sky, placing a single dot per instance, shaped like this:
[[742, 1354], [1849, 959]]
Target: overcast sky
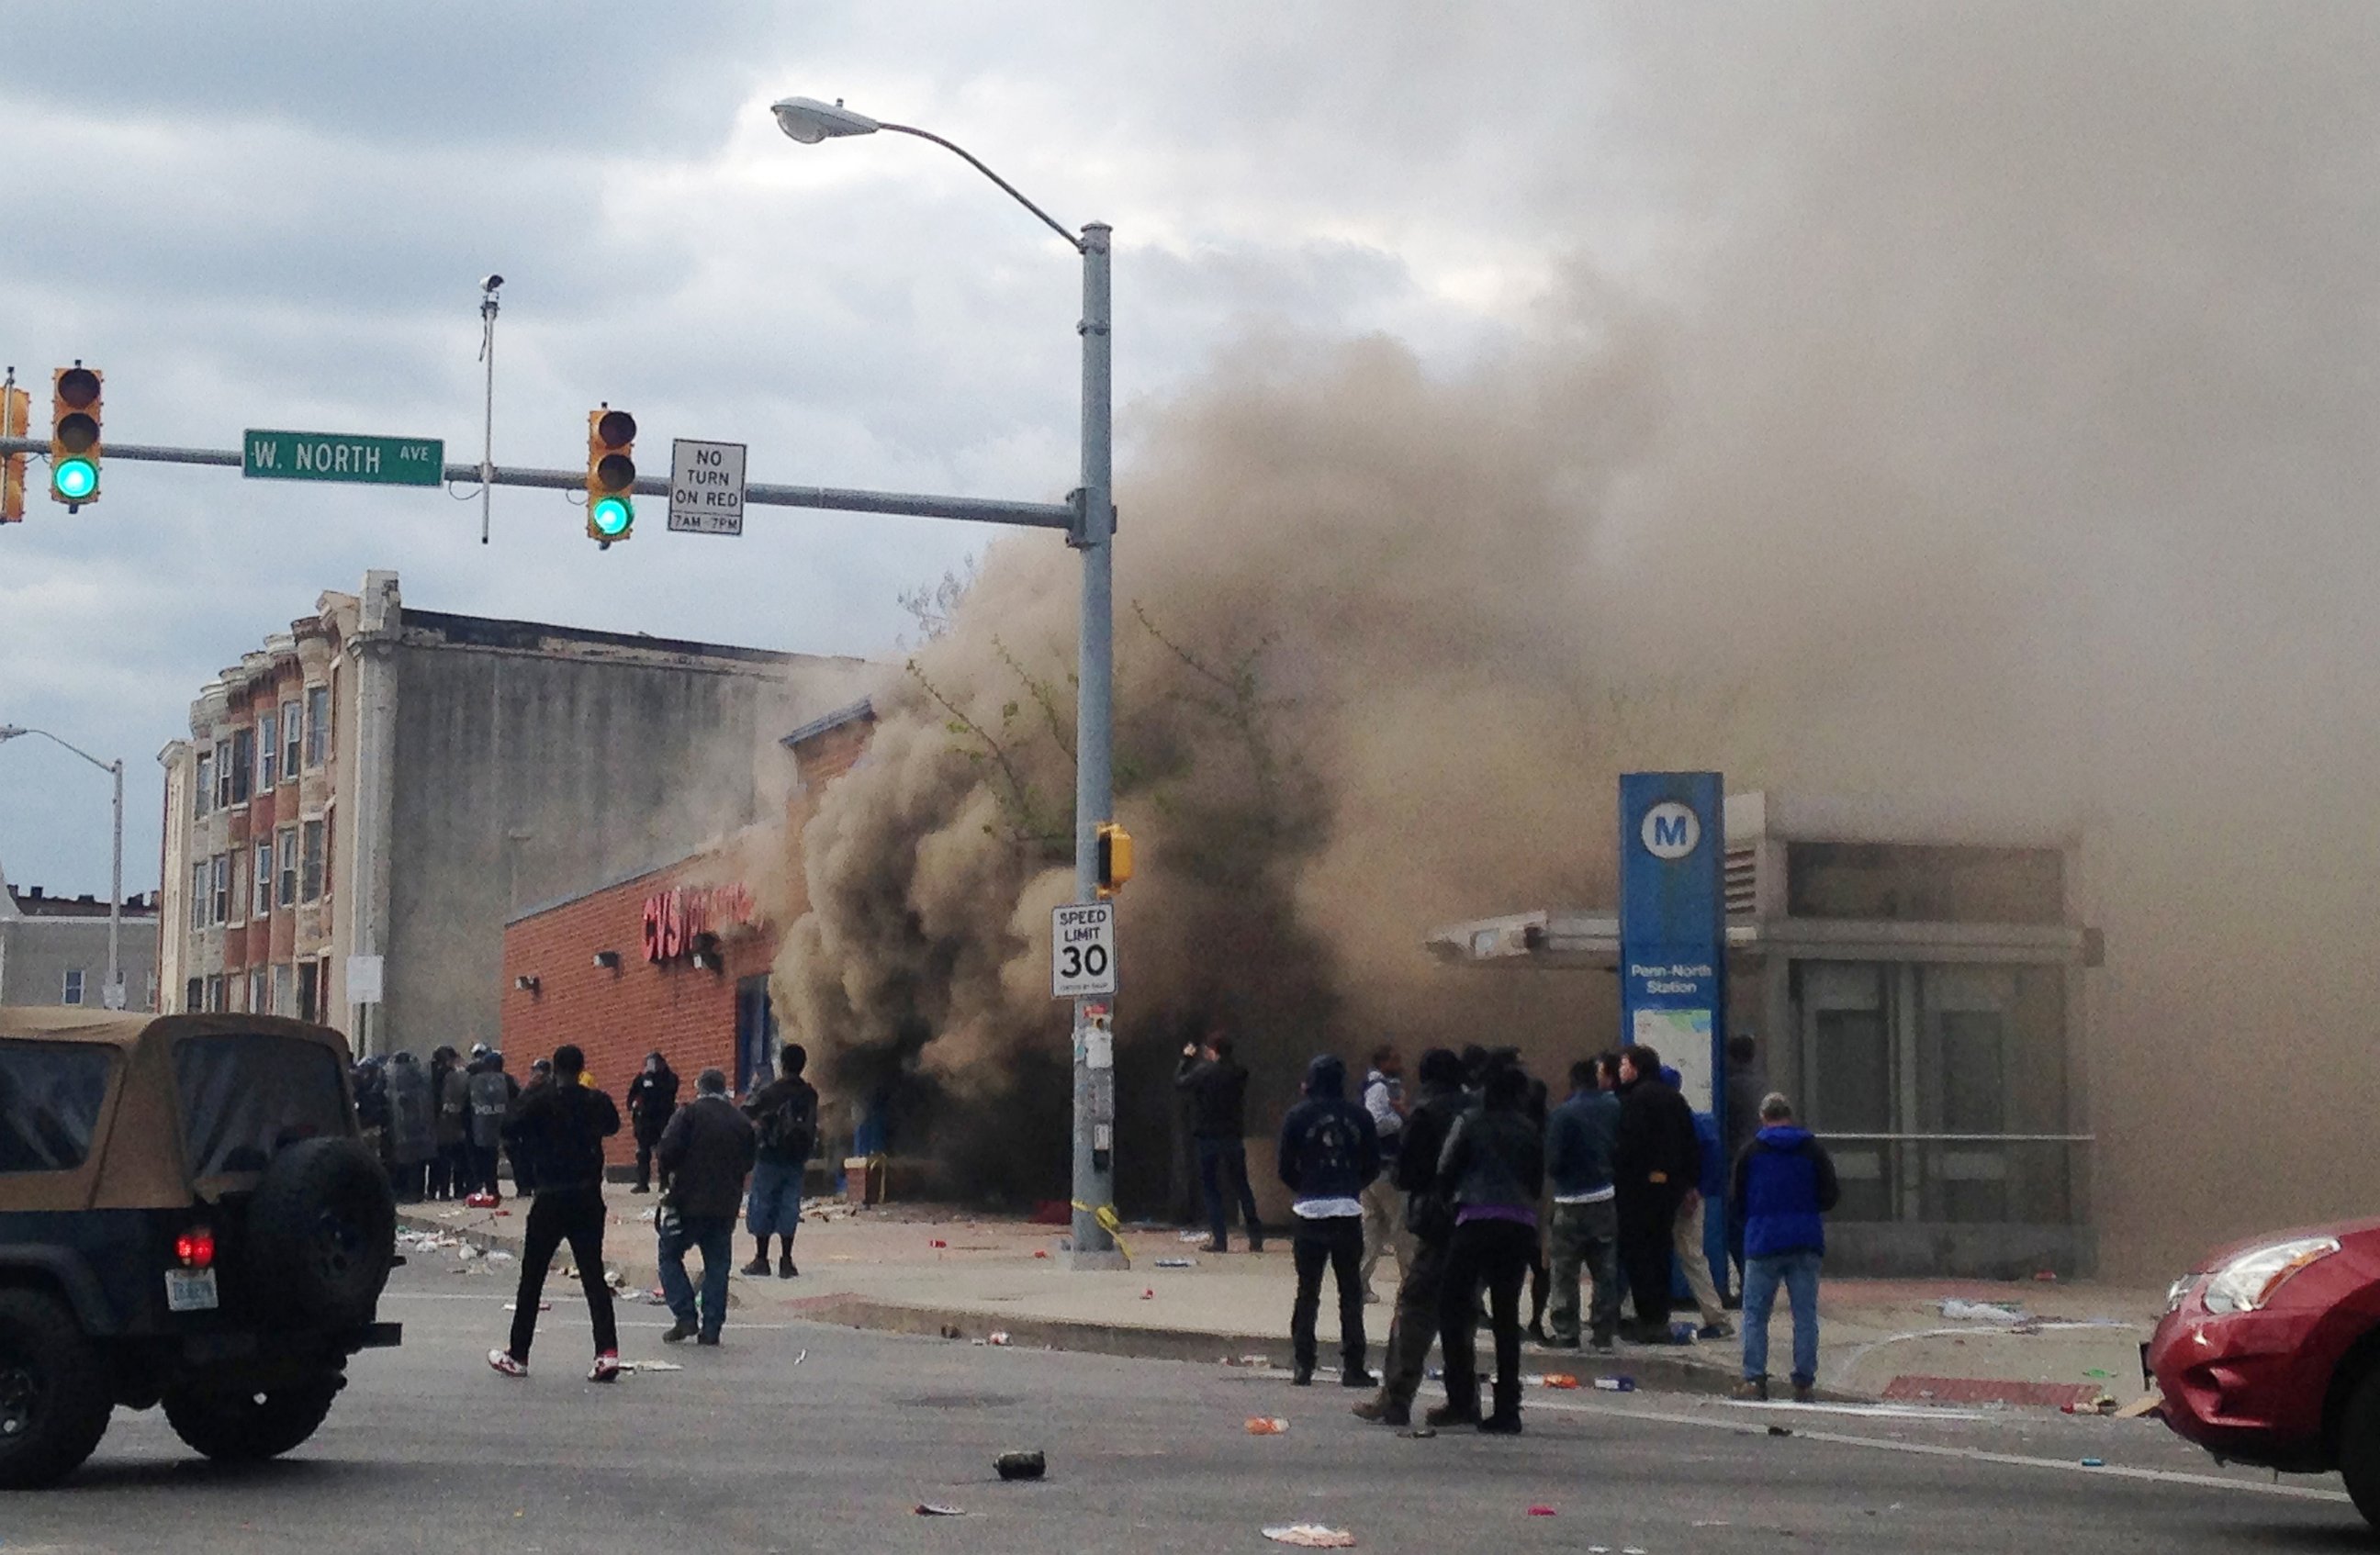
[[276, 214]]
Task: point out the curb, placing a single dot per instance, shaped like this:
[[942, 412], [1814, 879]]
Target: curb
[[1653, 1372]]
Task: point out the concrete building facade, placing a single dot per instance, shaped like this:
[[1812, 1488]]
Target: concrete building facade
[[1920, 983], [53, 949], [448, 769]]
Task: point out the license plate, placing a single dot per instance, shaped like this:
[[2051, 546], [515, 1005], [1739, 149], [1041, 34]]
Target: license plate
[[190, 1290]]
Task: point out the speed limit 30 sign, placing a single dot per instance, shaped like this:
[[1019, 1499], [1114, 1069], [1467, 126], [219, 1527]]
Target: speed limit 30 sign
[[1082, 951]]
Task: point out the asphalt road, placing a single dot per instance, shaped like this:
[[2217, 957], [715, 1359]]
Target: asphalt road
[[794, 1437]]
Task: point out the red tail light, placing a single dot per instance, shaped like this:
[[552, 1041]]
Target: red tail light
[[196, 1247]]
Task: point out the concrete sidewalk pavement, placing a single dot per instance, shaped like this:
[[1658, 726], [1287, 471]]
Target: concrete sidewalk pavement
[[914, 1269]]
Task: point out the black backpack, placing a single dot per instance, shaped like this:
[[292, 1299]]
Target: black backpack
[[789, 1130]]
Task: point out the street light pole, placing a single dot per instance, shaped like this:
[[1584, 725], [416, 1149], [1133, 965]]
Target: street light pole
[[116, 871], [809, 121]]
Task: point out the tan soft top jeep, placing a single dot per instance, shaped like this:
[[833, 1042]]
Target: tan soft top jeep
[[187, 1218]]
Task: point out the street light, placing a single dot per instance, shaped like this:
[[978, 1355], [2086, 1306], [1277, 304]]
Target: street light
[[114, 989], [809, 121]]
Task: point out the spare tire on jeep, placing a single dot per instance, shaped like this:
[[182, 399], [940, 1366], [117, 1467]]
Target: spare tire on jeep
[[321, 1232]]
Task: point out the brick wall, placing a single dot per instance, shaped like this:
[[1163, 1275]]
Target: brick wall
[[688, 1013]]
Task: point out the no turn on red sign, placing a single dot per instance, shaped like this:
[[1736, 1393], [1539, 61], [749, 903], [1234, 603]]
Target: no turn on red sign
[[1082, 951]]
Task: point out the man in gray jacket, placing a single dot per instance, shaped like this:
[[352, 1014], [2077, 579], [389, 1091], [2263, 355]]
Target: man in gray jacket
[[704, 1151], [1585, 1227]]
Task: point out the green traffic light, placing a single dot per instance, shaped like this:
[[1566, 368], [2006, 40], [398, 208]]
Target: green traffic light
[[75, 478], [611, 517]]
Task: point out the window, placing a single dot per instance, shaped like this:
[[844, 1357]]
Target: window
[[310, 991], [202, 789], [50, 1099], [263, 878], [291, 744], [199, 918], [287, 855], [223, 778], [318, 724], [152, 993], [243, 763], [310, 882], [74, 986], [215, 992], [282, 1004], [238, 889], [221, 867], [246, 1096], [194, 995], [268, 752]]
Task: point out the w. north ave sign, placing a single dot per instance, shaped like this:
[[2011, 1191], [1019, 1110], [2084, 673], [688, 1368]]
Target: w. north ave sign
[[341, 456]]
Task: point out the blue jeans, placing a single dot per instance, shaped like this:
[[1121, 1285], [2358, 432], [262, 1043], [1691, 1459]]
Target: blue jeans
[[1798, 1272], [775, 1209], [714, 1237]]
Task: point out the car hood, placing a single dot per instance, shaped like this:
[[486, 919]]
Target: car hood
[[2362, 1236]]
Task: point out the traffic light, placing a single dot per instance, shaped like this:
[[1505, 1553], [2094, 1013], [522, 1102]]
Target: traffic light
[[16, 414], [73, 436], [1115, 858], [611, 475]]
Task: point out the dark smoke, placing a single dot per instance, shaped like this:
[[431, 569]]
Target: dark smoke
[[1993, 428]]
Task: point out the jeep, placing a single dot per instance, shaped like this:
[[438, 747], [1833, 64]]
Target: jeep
[[187, 1218]]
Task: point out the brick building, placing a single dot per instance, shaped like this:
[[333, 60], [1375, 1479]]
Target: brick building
[[674, 958], [365, 799]]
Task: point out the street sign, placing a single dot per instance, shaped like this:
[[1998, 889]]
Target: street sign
[[706, 488], [1082, 951], [341, 456], [365, 979]]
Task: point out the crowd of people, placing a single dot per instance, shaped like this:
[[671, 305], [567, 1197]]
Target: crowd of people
[[1481, 1190], [703, 1151]]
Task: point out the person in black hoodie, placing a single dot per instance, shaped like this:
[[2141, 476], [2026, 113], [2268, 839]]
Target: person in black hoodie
[[1654, 1158], [1430, 1217], [652, 1098], [558, 1129], [1493, 1168], [1328, 1155]]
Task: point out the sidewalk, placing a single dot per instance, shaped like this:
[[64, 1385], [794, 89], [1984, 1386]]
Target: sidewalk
[[917, 1269]]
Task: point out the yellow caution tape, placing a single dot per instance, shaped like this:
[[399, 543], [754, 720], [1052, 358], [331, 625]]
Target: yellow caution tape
[[1106, 1216]]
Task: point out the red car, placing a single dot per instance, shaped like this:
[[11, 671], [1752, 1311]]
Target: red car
[[2269, 1353]]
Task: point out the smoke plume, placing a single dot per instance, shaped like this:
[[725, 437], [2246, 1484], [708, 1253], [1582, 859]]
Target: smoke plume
[[1993, 428]]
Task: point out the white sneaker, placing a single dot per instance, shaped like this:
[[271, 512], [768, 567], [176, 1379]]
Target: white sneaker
[[503, 1361]]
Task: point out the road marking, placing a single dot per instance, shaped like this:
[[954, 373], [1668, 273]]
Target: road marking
[[1973, 1454]]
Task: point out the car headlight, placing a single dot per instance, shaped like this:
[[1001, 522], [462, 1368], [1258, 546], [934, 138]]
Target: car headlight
[[2176, 1293], [2248, 1281]]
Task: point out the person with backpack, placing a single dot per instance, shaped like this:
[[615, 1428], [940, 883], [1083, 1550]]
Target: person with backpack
[[704, 1153], [560, 1127], [784, 1120], [1329, 1155]]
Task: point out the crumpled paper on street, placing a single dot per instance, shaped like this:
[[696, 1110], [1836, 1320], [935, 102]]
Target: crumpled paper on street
[[1312, 1535]]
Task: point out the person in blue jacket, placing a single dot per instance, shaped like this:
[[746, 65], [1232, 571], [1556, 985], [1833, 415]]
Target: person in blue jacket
[[1329, 1154], [1786, 1183]]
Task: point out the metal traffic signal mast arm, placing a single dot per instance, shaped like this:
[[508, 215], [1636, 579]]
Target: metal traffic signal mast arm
[[833, 499]]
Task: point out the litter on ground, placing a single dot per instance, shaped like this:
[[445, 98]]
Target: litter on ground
[[2002, 1312], [1177, 1263], [933, 1509], [1312, 1535], [997, 1336], [1020, 1465], [650, 1366], [1542, 1511], [1559, 1379], [1266, 1425]]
